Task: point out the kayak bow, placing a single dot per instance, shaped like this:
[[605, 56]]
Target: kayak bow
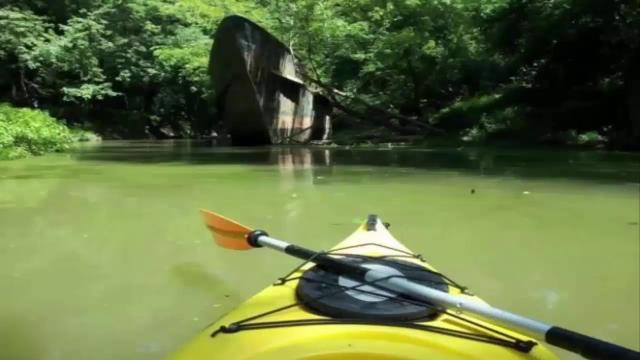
[[375, 299]]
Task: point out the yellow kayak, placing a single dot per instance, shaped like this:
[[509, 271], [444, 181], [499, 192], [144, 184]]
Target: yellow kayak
[[317, 315]]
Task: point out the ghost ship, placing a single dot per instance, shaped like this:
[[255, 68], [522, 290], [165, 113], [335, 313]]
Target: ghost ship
[[261, 97]]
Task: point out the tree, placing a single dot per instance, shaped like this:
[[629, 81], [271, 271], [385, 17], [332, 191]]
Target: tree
[[24, 33]]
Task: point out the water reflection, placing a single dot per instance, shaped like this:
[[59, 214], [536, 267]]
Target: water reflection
[[587, 165], [301, 165], [289, 159]]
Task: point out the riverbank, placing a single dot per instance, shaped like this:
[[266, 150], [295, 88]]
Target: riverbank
[[480, 136], [29, 132]]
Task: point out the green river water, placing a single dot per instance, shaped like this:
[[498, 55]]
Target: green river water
[[103, 254]]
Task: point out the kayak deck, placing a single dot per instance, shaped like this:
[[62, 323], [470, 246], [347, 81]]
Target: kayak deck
[[273, 324]]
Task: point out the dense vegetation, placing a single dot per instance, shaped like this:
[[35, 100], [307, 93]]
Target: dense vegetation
[[521, 70], [25, 132]]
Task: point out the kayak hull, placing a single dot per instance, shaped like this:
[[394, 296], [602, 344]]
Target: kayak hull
[[318, 340]]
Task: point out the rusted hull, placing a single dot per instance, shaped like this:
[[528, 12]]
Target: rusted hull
[[260, 95]]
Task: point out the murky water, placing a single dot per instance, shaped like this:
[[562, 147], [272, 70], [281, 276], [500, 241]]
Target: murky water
[[103, 255]]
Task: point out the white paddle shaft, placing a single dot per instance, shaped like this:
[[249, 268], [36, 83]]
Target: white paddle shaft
[[587, 346], [459, 304]]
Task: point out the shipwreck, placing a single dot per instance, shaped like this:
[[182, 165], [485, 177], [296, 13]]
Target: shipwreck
[[261, 95]]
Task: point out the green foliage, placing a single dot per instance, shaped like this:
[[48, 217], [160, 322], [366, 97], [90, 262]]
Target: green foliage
[[434, 60], [495, 125], [22, 34], [146, 57], [30, 132], [185, 58], [411, 56], [589, 138], [467, 113], [81, 135], [573, 61]]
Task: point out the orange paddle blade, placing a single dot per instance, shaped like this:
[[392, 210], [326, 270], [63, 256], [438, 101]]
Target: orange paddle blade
[[226, 232]]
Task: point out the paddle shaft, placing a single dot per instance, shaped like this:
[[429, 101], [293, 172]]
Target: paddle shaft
[[588, 347]]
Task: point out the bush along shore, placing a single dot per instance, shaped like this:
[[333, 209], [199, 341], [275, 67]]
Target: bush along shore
[[27, 132]]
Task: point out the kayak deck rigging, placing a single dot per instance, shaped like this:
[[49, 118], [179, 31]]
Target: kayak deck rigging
[[362, 317], [496, 337]]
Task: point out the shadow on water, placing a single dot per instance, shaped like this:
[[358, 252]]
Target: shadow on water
[[537, 163], [195, 276], [18, 340]]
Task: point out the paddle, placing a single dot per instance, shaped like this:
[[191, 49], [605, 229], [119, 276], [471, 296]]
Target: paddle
[[232, 235]]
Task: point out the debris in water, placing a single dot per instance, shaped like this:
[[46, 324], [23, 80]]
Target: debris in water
[[148, 348], [526, 192], [551, 297]]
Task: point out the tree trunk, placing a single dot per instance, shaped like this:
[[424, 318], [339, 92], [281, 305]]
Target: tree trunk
[[376, 114], [386, 116], [416, 86], [634, 95]]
